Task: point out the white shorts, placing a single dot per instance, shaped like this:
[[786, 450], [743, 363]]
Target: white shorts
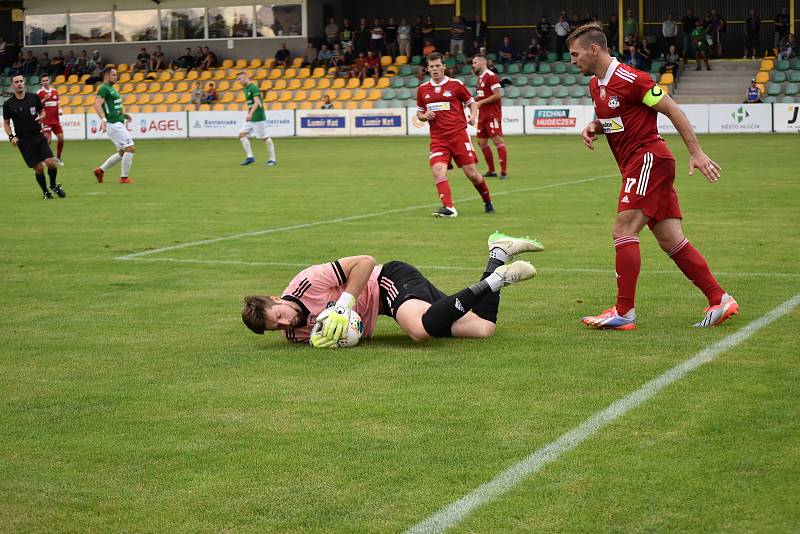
[[255, 129], [119, 135]]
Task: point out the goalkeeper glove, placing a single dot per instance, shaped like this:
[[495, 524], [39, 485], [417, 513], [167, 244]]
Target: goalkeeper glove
[[337, 318], [318, 341]]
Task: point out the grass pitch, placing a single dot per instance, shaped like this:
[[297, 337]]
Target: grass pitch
[[132, 398]]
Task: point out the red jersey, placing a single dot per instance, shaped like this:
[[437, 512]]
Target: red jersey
[[488, 82], [49, 100], [447, 99], [319, 287], [629, 123]]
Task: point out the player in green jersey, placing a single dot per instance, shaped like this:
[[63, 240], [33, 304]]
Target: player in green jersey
[[108, 106], [256, 122]]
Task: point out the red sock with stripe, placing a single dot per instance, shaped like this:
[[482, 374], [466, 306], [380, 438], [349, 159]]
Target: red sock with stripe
[[483, 190], [502, 155], [628, 263], [694, 266], [443, 188], [488, 156], [59, 148]]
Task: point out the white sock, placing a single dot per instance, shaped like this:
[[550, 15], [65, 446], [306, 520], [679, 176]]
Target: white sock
[[495, 281], [111, 161], [498, 253], [127, 161], [247, 148], [270, 149]]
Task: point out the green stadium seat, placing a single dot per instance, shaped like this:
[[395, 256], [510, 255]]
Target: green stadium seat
[[656, 65], [577, 91], [450, 62], [32, 80], [552, 57], [783, 65], [513, 92], [461, 58], [529, 68], [500, 68], [561, 92], [587, 101], [412, 83], [492, 56], [465, 69], [559, 68], [573, 101], [523, 102], [556, 102], [395, 104], [529, 92], [472, 81], [388, 94], [403, 94], [787, 100], [536, 80], [405, 70], [791, 89], [416, 60], [565, 57], [569, 79], [397, 82], [381, 104], [409, 103], [769, 100], [512, 69], [796, 63], [584, 80], [778, 76], [794, 77], [521, 81], [544, 68], [539, 102], [573, 69], [773, 89], [553, 80], [545, 92]]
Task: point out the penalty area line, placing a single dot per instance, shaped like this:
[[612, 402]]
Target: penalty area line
[[301, 226], [455, 512]]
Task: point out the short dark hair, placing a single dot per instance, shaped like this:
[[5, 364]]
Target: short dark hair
[[106, 70], [15, 75], [589, 34], [254, 308], [479, 56], [433, 56], [43, 75]]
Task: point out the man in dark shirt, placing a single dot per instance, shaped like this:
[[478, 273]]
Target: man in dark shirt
[[26, 111], [688, 23], [781, 29], [390, 34], [282, 56], [752, 34], [545, 30]]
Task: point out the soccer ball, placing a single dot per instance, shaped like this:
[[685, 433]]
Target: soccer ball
[[352, 335]]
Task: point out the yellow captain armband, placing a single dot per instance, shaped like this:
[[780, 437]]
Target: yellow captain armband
[[653, 96]]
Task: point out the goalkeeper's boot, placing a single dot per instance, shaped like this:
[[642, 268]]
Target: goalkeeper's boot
[[611, 320], [513, 245], [716, 315], [58, 190], [99, 173], [47, 195], [518, 271], [248, 161], [445, 211], [490, 174], [488, 208]]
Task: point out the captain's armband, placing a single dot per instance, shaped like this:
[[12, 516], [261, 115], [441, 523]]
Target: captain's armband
[[653, 96]]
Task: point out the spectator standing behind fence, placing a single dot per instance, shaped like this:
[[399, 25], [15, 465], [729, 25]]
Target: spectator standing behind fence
[[717, 27], [377, 43], [545, 32], [752, 34], [562, 32], [669, 29], [700, 44], [332, 32], [688, 23], [427, 30], [362, 37], [347, 34], [416, 36], [404, 38], [457, 36], [630, 26], [781, 29], [390, 35], [613, 31], [480, 33]]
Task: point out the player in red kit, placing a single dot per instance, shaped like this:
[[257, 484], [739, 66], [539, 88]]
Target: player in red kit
[[52, 115], [627, 102], [441, 102], [490, 116]]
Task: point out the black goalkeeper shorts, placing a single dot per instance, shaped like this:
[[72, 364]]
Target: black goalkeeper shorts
[[399, 282]]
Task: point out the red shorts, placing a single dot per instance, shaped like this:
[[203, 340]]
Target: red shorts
[[458, 148], [49, 129], [490, 126], [648, 185]]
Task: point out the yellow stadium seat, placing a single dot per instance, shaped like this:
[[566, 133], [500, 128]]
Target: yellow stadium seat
[[316, 94], [374, 94], [401, 60], [271, 96], [345, 94], [59, 80], [359, 94], [226, 64], [205, 75], [239, 97], [260, 74], [240, 64], [306, 105], [666, 79], [666, 89], [323, 83], [284, 96], [171, 98], [274, 74], [352, 83], [203, 107], [63, 100], [332, 71], [122, 67], [154, 87], [179, 76], [366, 105], [157, 98], [137, 77], [255, 63], [290, 73], [279, 85], [296, 62], [73, 78], [266, 85], [338, 83], [182, 87], [217, 107], [164, 76], [143, 99], [766, 64], [134, 109], [319, 72], [87, 90], [294, 84], [220, 74], [276, 106], [85, 77], [309, 84], [368, 83], [383, 83], [74, 90], [761, 87], [299, 96], [762, 77], [352, 105], [76, 101], [386, 61], [192, 75], [128, 100], [330, 93], [66, 110], [338, 105], [168, 87], [162, 109], [176, 107], [290, 105], [224, 85], [226, 97], [140, 88], [185, 98], [304, 73], [269, 63], [233, 107]]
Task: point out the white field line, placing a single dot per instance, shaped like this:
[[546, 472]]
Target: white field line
[[453, 513], [348, 219], [451, 268]]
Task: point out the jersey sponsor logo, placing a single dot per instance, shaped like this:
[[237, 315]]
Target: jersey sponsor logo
[[613, 102], [33, 110], [553, 118], [480, 92], [438, 106], [50, 103], [448, 94], [613, 125]]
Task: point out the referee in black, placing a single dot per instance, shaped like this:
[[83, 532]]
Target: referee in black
[[27, 112]]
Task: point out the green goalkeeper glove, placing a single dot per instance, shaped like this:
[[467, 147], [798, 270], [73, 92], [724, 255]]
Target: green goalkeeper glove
[[318, 341], [337, 319]]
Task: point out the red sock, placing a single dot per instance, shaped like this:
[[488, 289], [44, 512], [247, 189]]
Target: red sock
[[628, 264], [695, 267], [488, 156], [502, 155], [443, 187], [59, 148], [483, 190]]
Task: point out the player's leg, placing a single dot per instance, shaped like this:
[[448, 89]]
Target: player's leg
[[502, 154], [38, 169], [116, 157], [483, 143], [480, 185], [127, 162], [245, 140], [52, 171], [59, 145], [439, 160], [270, 152]]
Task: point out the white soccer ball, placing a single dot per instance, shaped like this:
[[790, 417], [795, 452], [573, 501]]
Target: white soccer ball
[[352, 335]]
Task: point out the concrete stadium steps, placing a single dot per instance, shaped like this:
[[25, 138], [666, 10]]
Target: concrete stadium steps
[[726, 82]]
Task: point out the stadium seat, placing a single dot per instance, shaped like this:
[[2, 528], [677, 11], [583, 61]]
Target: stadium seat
[[359, 94], [388, 94], [412, 83], [318, 72], [171, 98], [178, 76], [271, 96], [128, 100], [386, 61], [381, 104], [368, 83], [87, 90], [529, 68], [573, 69], [294, 84], [565, 57], [157, 99], [306, 105], [773, 89], [794, 77], [142, 99], [404, 94], [284, 96], [296, 62], [777, 77], [309, 83], [315, 95], [545, 92], [366, 105], [536, 80], [345, 94], [383, 83], [167, 87], [255, 63], [352, 83], [137, 77], [791, 89], [576, 91], [59, 80], [769, 100], [260, 74], [559, 68], [266, 85], [512, 69], [400, 60], [269, 63], [276, 106], [226, 64], [338, 83], [184, 98], [782, 65], [162, 108], [74, 90], [154, 87], [192, 75], [226, 98], [175, 107], [274, 74], [405, 70], [500, 68], [397, 82], [374, 94], [220, 74], [552, 57], [512, 92], [561, 92], [279, 85], [553, 80], [323, 83], [182, 87], [205, 75], [666, 79], [544, 68], [572, 101], [300, 96], [73, 78], [304, 73], [766, 64], [539, 101], [122, 68], [133, 109], [352, 105], [529, 92], [63, 100], [584, 80], [147, 108]]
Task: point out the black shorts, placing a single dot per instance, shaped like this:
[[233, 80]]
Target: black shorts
[[399, 282], [34, 149]]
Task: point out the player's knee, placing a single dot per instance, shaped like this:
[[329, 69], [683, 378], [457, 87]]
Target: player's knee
[[485, 329], [419, 335], [38, 168], [130, 149]]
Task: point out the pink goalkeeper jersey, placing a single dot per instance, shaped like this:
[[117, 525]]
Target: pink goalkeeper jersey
[[319, 287]]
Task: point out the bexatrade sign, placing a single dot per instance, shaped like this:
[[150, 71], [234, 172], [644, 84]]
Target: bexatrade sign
[[146, 126], [696, 113], [322, 122], [739, 118], [786, 117], [390, 121], [280, 123], [554, 119]]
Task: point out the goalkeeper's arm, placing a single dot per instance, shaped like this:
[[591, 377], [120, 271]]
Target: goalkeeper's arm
[[357, 269]]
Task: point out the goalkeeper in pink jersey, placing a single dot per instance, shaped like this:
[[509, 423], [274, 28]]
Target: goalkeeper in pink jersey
[[327, 294]]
